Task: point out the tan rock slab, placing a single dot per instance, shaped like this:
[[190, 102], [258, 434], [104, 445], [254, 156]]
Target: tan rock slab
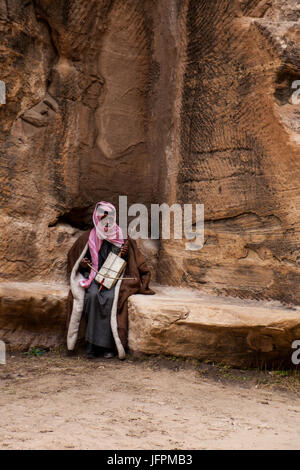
[[183, 322], [32, 314]]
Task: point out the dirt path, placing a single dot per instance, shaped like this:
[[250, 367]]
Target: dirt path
[[57, 402]]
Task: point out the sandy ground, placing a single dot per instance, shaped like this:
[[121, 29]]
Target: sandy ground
[[58, 402]]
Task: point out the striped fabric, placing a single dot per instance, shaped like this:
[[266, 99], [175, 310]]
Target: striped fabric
[[112, 233]]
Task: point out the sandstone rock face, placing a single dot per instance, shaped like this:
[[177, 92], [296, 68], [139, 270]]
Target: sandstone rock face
[[162, 101], [238, 150], [77, 126], [182, 322]]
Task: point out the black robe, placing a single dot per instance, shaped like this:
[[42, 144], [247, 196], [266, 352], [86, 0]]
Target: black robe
[[136, 268], [97, 305]]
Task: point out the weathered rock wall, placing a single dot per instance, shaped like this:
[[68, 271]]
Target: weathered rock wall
[[162, 100], [239, 152], [79, 124]]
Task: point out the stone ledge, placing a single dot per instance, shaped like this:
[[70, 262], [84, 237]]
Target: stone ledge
[[182, 322], [175, 321], [32, 314]]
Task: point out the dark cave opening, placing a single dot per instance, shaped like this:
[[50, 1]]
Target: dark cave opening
[[77, 217]]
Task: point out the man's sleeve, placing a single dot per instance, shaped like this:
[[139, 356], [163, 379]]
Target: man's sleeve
[[73, 254], [86, 271], [144, 272]]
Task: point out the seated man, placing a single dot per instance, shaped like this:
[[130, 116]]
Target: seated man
[[105, 311]]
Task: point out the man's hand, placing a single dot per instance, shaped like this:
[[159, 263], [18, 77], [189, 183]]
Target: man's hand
[[84, 262], [124, 249]]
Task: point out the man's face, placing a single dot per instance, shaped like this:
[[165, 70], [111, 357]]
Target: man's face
[[106, 218]]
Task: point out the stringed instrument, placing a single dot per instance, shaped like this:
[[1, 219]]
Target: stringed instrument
[[111, 270]]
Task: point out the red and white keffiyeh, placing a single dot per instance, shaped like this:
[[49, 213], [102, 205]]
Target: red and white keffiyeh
[[100, 232]]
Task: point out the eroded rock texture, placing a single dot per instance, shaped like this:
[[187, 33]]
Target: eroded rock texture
[[160, 100], [79, 124], [239, 149]]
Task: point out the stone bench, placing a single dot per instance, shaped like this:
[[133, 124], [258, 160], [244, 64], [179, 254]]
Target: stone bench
[[32, 314], [185, 323], [175, 321]]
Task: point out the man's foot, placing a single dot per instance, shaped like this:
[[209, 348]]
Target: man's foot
[[91, 356], [108, 354], [90, 351]]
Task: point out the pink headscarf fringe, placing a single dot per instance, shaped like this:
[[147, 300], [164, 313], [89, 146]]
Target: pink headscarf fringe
[[113, 234]]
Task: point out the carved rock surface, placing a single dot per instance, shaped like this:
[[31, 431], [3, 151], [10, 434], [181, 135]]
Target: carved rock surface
[[238, 150], [182, 322], [162, 101]]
